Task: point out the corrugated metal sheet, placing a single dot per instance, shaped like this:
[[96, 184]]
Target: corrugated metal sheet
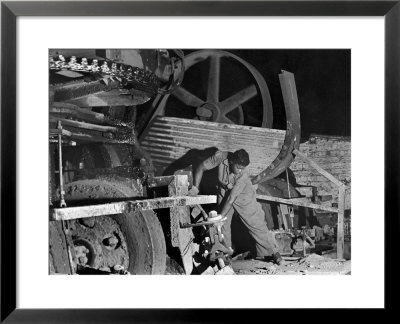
[[168, 138]]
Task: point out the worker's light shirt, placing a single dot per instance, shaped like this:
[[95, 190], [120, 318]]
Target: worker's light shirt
[[243, 192], [244, 196], [244, 203]]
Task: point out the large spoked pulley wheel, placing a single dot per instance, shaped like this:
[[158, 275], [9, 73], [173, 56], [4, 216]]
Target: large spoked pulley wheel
[[132, 240], [221, 87]]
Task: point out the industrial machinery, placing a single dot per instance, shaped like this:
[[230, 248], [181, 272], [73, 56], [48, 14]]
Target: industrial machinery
[[113, 207]]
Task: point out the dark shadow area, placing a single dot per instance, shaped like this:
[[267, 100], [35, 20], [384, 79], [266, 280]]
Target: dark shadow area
[[274, 207], [323, 83], [91, 271], [163, 215], [241, 239], [190, 161], [191, 158]]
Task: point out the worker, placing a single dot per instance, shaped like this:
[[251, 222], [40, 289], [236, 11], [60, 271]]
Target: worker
[[236, 193]]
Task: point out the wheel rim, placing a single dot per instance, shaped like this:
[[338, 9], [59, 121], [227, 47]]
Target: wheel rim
[[99, 243], [212, 108], [132, 240]]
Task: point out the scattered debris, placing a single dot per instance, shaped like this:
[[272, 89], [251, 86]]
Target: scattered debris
[[312, 264], [227, 270]]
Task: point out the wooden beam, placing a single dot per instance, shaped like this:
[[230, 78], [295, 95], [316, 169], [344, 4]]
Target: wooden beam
[[341, 207], [81, 137], [283, 210], [73, 110], [111, 98], [318, 168], [340, 225], [56, 132], [297, 202], [84, 125], [306, 191], [159, 181], [68, 213], [181, 237]]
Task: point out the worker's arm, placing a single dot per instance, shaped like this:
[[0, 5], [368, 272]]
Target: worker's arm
[[198, 175], [223, 185], [207, 164], [228, 205]]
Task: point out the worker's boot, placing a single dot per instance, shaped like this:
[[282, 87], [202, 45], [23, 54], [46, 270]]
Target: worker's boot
[[276, 257]]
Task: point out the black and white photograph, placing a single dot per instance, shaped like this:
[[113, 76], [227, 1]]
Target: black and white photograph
[[148, 147], [199, 161]]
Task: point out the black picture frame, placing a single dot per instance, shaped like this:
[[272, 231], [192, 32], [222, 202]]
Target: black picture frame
[[10, 10]]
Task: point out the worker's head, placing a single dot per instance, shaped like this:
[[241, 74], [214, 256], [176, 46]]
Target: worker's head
[[239, 160]]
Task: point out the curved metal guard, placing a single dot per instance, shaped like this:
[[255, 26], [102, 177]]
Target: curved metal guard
[[292, 137]]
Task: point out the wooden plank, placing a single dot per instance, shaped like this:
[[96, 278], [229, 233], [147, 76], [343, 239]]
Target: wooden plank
[[79, 89], [80, 137], [128, 206], [340, 225], [326, 160], [284, 211], [70, 109], [297, 202], [84, 125], [111, 98], [181, 237], [159, 181], [55, 132], [306, 191]]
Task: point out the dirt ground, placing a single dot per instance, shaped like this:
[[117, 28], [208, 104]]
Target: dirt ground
[[312, 264]]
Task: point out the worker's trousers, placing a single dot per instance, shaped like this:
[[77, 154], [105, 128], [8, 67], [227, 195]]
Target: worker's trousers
[[257, 226]]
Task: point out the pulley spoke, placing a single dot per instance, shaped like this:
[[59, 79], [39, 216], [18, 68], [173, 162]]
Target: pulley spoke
[[225, 120], [237, 99], [213, 79], [187, 97]]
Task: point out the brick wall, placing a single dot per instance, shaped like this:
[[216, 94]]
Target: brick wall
[[333, 154]]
